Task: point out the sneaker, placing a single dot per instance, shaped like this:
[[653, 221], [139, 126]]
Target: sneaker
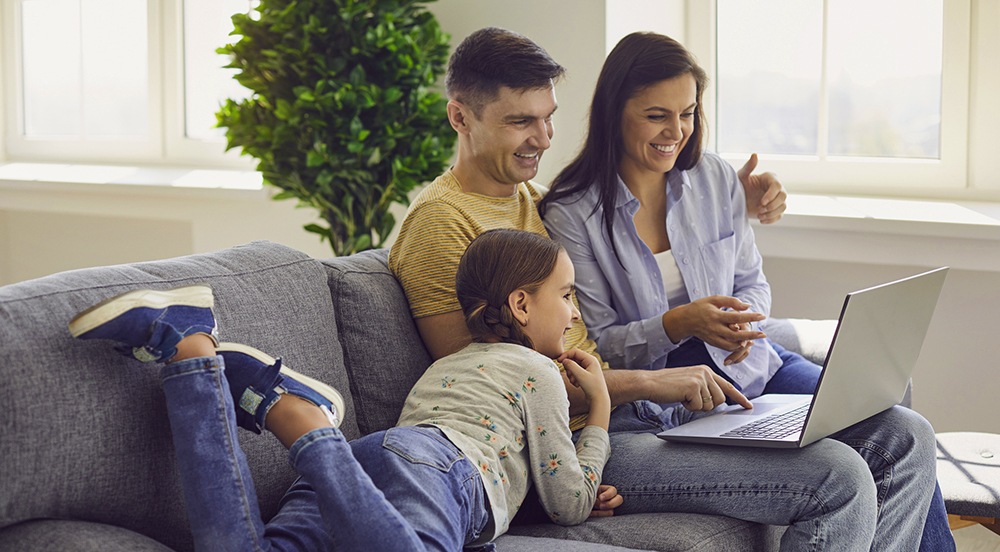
[[257, 381], [149, 323]]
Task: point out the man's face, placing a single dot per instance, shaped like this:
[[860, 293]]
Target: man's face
[[509, 135]]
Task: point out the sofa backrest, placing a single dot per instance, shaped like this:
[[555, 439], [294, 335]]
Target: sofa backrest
[[383, 352], [83, 433]]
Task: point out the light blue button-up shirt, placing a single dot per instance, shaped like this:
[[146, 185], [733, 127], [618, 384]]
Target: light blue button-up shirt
[[713, 245]]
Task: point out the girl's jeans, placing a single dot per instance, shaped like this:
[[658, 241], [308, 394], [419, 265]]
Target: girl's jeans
[[407, 488]]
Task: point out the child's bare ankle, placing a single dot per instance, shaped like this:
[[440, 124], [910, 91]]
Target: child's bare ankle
[[194, 346], [292, 417]]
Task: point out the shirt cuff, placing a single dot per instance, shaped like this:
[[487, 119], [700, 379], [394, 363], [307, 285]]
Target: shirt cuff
[[656, 337]]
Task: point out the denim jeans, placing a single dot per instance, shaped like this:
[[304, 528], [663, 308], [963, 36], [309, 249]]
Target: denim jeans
[[866, 487], [407, 488], [800, 376]]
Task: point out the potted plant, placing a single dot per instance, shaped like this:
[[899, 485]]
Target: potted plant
[[342, 115]]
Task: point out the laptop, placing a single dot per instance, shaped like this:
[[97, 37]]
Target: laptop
[[867, 370]]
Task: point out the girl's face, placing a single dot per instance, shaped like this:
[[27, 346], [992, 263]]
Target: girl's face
[[549, 313], [656, 125]]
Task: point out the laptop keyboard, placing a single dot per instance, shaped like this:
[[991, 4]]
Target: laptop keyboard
[[776, 426]]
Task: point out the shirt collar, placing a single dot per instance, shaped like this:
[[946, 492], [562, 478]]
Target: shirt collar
[[675, 179]]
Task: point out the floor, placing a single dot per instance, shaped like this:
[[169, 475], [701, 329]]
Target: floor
[[976, 539]]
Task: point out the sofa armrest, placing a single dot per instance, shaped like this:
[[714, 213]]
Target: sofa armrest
[[809, 338]]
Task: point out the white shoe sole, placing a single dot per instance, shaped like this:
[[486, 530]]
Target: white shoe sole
[[105, 311], [328, 392]]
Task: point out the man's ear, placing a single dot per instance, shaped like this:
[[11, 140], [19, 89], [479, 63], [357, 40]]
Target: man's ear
[[518, 301], [458, 116]]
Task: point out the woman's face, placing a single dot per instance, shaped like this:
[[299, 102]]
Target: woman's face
[[656, 125]]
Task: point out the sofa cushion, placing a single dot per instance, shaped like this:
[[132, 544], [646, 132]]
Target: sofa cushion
[[512, 543], [674, 532], [50, 535], [383, 352], [84, 432]]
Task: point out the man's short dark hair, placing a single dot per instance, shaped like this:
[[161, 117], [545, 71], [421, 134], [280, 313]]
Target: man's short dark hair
[[491, 58]]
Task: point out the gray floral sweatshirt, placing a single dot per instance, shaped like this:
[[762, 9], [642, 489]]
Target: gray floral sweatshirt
[[505, 407]]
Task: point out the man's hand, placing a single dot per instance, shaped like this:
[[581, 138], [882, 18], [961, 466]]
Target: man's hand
[[765, 195], [607, 500], [697, 388]]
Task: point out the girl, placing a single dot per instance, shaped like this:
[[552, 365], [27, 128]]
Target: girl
[[478, 428]]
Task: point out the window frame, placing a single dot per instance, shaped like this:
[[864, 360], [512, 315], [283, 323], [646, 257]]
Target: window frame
[[947, 177], [167, 142]]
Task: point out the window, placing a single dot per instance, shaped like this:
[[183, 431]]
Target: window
[[118, 81], [859, 96]]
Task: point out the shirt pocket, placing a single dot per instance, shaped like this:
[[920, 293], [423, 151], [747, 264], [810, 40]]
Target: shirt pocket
[[719, 265]]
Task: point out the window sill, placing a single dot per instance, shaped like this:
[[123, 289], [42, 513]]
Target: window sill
[[124, 179], [963, 235]]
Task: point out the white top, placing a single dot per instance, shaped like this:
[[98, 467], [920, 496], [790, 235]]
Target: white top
[[505, 407], [673, 282]]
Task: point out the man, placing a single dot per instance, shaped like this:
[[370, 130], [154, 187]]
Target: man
[[501, 91]]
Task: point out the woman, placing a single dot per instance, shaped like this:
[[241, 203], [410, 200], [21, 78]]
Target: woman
[[681, 282]]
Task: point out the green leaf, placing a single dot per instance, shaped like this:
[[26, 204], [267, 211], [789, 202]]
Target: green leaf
[[284, 110], [375, 157], [357, 76], [287, 194], [315, 158], [364, 241], [392, 95]]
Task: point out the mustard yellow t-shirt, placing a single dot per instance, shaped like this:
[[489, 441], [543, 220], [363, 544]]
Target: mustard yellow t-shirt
[[440, 224]]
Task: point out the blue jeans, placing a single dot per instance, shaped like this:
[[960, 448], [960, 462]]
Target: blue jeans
[[407, 488], [867, 487], [800, 376]]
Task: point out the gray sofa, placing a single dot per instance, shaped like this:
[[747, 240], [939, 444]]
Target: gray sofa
[[86, 460]]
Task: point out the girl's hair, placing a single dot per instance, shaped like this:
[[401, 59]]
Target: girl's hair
[[495, 264], [638, 61]]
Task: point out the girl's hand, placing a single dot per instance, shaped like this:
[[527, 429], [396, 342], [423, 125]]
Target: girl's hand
[[607, 500], [584, 371]]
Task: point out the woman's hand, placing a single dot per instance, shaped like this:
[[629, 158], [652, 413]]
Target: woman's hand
[[741, 353], [607, 500], [706, 320]]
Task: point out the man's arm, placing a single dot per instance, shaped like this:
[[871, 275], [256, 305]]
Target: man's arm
[[444, 333], [686, 385]]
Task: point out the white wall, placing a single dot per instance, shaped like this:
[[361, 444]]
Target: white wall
[[955, 385], [572, 33], [51, 227]]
